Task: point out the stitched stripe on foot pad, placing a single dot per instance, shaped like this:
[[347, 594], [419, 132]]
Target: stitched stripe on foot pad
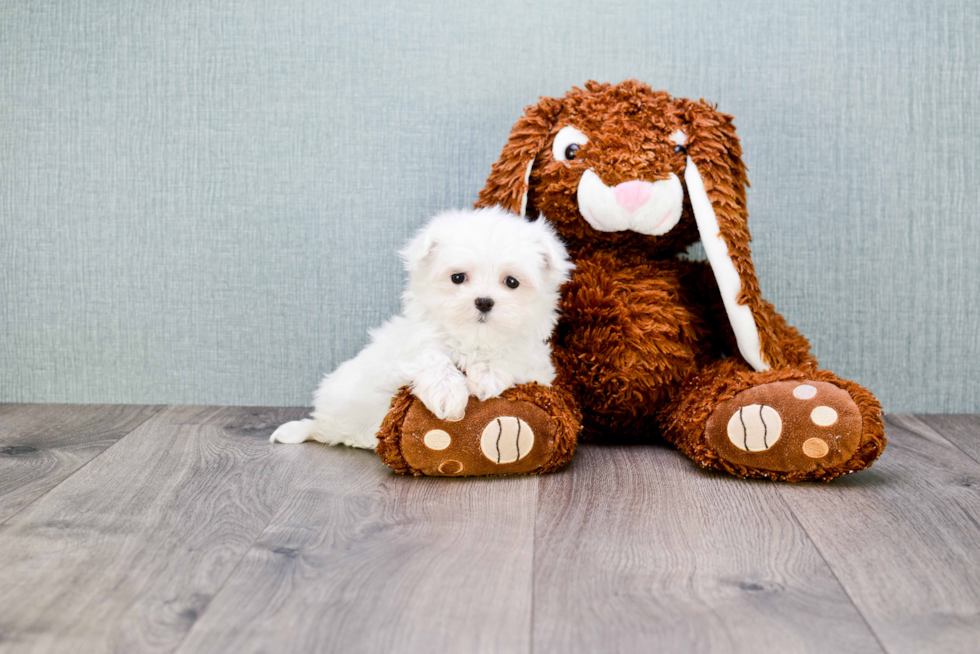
[[755, 428], [506, 439]]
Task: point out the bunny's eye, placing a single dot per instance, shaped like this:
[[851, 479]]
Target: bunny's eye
[[458, 278], [680, 141], [568, 141]]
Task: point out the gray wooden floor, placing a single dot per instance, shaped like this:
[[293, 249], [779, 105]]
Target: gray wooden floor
[[180, 529]]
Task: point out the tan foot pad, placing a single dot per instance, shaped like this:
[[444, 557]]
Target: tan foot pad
[[787, 427], [497, 437]]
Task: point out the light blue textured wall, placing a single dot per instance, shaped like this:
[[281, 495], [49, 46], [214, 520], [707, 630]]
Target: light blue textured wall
[[199, 200]]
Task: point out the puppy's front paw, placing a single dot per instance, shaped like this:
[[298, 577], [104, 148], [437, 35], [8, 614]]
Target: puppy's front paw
[[445, 396], [450, 403], [484, 382], [296, 431]]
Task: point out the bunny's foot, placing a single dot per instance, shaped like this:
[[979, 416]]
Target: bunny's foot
[[530, 429], [789, 425]]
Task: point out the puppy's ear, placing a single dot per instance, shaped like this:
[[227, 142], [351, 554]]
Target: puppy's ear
[[509, 178], [556, 265], [418, 249], [716, 183]]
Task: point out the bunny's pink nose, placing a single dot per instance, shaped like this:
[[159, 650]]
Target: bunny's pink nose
[[633, 195]]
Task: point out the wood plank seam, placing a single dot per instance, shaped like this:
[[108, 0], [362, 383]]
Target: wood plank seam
[[833, 572], [534, 568], [445, 561], [132, 548], [925, 425], [897, 537], [156, 410], [670, 558], [245, 551]]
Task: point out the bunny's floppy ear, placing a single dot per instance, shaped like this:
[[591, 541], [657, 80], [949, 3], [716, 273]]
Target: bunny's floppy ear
[[716, 183], [509, 178]]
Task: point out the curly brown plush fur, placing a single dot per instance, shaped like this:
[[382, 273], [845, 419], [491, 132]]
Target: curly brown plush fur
[[644, 345]]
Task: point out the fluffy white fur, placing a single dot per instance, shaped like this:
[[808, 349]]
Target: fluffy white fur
[[442, 344]]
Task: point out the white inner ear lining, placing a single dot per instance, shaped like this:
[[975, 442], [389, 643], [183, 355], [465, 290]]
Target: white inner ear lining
[[729, 282], [527, 187]]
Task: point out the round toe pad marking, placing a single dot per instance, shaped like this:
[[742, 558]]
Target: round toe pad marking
[[823, 416], [437, 439], [804, 392], [815, 448], [450, 467], [506, 439], [755, 428]]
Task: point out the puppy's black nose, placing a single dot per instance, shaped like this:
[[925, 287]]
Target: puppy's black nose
[[484, 304]]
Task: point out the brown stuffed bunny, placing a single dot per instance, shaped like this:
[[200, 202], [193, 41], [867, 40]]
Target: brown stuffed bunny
[[649, 343]]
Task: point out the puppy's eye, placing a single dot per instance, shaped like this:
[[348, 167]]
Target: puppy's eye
[[680, 148], [458, 278], [568, 141], [511, 282]]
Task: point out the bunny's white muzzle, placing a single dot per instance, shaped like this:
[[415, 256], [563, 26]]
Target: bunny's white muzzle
[[651, 208]]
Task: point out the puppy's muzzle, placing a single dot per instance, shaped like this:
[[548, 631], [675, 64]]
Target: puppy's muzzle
[[484, 304]]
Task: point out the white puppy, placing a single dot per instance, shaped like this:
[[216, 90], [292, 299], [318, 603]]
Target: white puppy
[[480, 305]]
